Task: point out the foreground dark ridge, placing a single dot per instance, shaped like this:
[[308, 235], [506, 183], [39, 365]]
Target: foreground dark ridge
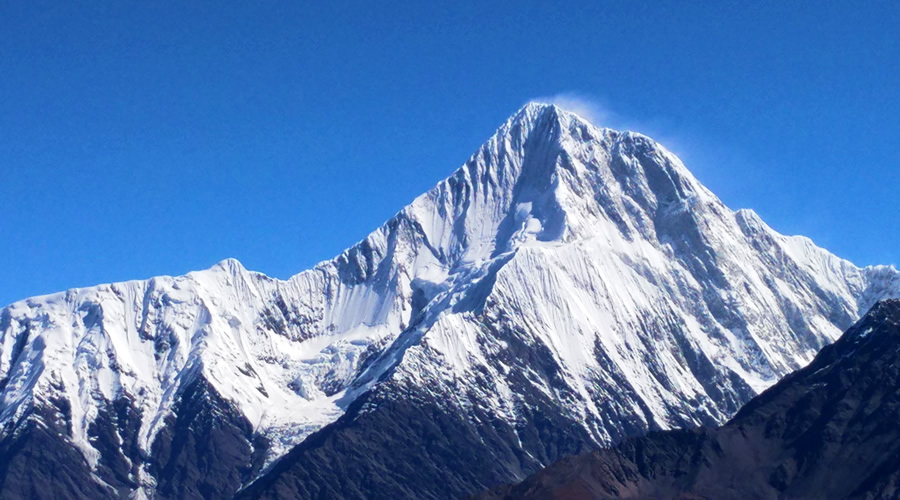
[[830, 430]]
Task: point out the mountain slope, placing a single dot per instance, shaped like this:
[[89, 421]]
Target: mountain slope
[[826, 431], [567, 287], [654, 307]]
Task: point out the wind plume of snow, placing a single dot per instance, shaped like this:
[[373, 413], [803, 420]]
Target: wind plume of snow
[[589, 108]]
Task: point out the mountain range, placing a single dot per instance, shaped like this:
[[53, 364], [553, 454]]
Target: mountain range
[[568, 287]]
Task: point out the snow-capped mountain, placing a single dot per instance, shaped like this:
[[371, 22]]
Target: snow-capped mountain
[[568, 286]]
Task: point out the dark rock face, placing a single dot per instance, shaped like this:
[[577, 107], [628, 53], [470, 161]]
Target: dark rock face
[[35, 462], [400, 442], [114, 433], [207, 450], [830, 430]]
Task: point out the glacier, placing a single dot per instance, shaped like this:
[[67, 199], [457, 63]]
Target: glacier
[[565, 268]]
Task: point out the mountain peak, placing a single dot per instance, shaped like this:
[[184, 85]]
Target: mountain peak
[[539, 108], [887, 310], [877, 322], [230, 265], [540, 116], [534, 108], [561, 268]]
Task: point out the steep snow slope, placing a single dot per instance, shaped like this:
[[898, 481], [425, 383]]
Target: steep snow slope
[[828, 430], [580, 266], [601, 247]]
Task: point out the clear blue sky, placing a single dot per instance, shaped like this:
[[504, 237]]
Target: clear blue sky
[[146, 138]]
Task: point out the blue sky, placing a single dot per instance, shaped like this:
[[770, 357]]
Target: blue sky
[[146, 138]]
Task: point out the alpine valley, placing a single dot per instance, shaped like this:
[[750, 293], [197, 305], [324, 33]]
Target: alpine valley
[[567, 288]]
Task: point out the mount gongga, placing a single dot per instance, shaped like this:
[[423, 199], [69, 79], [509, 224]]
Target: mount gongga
[[568, 287]]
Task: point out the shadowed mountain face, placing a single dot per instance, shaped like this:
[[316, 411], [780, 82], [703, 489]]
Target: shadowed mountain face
[[568, 287], [830, 430]]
